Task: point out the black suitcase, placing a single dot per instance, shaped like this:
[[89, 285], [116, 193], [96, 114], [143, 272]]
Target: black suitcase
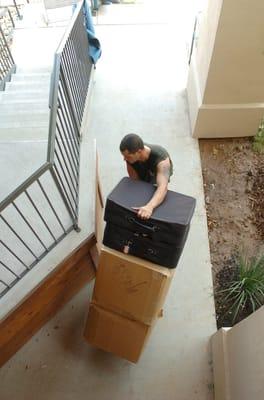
[[167, 228], [139, 245]]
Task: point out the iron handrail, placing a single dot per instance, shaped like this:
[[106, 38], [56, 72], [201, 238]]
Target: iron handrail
[[7, 64], [68, 89], [4, 11], [54, 84], [63, 156], [24, 186], [69, 28], [53, 108]]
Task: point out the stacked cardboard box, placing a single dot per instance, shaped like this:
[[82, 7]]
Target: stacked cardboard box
[[128, 295]]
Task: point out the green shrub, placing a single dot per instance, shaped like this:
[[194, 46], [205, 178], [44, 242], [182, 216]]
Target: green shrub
[[246, 291], [258, 140]]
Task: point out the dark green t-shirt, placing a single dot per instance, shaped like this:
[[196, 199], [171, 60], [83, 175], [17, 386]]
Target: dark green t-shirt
[[147, 170]]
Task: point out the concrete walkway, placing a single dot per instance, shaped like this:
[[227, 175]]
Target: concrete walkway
[[140, 87]]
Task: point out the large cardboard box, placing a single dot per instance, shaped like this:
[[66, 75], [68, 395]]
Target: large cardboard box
[[115, 334], [131, 286]]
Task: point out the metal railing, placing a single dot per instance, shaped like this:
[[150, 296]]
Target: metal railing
[[32, 222], [7, 24], [16, 6], [7, 64], [6, 18], [70, 81], [44, 209]]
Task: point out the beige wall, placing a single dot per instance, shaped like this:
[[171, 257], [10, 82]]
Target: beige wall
[[237, 65], [226, 71], [238, 356], [204, 44]]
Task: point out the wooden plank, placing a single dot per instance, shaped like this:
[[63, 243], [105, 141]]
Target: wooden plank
[[99, 205], [51, 295], [95, 255]]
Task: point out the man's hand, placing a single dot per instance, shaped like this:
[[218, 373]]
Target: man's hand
[[144, 212]]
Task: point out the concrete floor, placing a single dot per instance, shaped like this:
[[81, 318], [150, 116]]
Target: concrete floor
[[140, 87]]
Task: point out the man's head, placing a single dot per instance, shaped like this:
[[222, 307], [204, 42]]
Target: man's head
[[131, 147]]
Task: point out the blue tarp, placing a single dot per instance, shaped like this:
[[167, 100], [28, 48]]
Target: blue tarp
[[94, 44]]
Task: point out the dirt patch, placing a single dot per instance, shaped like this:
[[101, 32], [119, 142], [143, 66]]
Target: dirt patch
[[234, 195], [257, 198]]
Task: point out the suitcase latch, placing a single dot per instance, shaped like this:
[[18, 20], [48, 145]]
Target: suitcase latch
[[151, 252]]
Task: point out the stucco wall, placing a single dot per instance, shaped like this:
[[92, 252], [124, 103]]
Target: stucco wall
[[205, 40], [226, 79], [238, 356], [237, 64]]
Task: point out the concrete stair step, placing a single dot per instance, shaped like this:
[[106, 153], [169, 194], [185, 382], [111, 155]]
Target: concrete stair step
[[26, 113], [27, 70], [21, 123], [19, 96], [24, 106], [18, 77], [27, 87], [24, 134], [50, 4], [23, 117]]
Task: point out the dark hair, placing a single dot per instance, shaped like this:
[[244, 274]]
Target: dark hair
[[132, 143]]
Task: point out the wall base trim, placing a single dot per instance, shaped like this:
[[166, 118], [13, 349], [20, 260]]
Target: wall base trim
[[227, 120]]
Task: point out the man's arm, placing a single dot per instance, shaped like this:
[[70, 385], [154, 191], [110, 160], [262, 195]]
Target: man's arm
[[162, 179], [131, 172]]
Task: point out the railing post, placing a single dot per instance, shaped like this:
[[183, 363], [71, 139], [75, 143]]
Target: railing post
[[17, 10], [53, 104]]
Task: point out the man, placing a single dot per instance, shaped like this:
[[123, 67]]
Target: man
[[150, 163]]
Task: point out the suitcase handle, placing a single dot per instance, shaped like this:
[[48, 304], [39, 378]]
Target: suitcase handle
[[152, 228]]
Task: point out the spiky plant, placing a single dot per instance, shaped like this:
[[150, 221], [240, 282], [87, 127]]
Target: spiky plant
[[246, 290], [258, 140]]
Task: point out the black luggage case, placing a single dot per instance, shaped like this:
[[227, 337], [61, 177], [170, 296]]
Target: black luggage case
[[138, 245], [168, 226]]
